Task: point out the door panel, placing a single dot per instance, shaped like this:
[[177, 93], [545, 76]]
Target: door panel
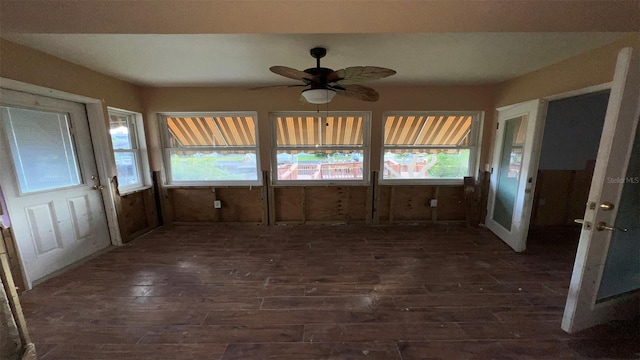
[[41, 219], [509, 170], [604, 247], [511, 184], [47, 167], [622, 272]]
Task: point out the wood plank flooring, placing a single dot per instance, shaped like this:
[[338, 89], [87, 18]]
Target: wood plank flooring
[[317, 292]]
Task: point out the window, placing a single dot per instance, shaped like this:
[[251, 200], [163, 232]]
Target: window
[[211, 149], [313, 148], [129, 150], [429, 147], [42, 149]]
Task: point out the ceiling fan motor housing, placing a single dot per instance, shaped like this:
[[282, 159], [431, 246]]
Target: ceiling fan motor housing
[[321, 73]]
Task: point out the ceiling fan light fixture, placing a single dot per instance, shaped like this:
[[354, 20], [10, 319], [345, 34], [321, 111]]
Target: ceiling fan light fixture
[[318, 96]]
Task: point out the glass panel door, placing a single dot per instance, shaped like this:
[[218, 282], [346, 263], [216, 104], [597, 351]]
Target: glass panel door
[[512, 176], [509, 171], [621, 271]]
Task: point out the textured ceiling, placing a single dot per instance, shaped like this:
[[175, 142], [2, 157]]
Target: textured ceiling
[[244, 59], [233, 43]]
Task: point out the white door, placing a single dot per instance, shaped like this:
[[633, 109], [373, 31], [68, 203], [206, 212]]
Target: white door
[[47, 171], [513, 173], [606, 273]]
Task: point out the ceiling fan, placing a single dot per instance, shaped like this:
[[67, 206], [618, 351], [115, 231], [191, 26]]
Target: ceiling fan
[[325, 83]]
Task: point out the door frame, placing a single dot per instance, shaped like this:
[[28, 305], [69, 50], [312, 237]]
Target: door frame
[[527, 211], [97, 116], [539, 135]]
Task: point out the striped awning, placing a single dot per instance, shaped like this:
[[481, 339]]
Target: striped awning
[[214, 131], [419, 130], [320, 131]]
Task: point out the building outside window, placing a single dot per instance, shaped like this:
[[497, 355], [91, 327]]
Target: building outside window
[[429, 147], [312, 148], [211, 149]]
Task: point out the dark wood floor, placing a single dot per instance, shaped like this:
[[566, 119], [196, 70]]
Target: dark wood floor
[[332, 292]]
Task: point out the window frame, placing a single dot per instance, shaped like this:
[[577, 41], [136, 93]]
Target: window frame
[[166, 151], [366, 148], [139, 147], [474, 147]]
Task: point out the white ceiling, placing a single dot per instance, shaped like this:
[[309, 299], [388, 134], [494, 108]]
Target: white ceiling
[[244, 60]]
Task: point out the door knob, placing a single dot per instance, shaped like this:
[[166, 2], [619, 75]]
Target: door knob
[[606, 206], [603, 226]]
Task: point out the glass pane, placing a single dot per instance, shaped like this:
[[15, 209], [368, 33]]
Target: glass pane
[[321, 165], [621, 271], [319, 131], [213, 166], [120, 128], [426, 164], [509, 171], [42, 149], [223, 131], [342, 130], [421, 130], [298, 130], [127, 167]]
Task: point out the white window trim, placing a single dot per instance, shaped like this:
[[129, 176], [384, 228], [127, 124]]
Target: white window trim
[[144, 172], [164, 130], [366, 149], [474, 155]]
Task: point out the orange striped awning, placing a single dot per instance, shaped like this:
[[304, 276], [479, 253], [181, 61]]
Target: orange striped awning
[[212, 131], [418, 130], [314, 130]]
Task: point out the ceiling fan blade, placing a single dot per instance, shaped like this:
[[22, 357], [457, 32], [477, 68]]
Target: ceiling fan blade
[[358, 74], [293, 74], [357, 92]]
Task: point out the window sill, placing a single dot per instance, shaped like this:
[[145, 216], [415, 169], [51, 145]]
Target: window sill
[[422, 182], [310, 183], [214, 185], [133, 191]]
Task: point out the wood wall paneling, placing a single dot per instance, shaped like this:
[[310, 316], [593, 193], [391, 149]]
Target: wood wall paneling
[[133, 213], [243, 204], [325, 204], [288, 204], [383, 205], [192, 204], [411, 203], [317, 204], [451, 205], [239, 205], [359, 207], [138, 213], [578, 195], [560, 196]]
